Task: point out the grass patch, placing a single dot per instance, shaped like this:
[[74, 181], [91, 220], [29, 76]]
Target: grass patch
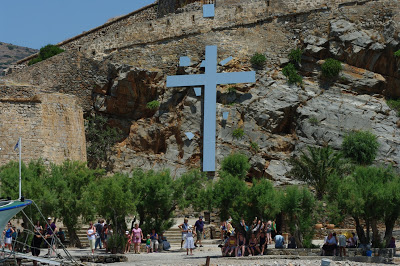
[[153, 105], [395, 105], [238, 133], [313, 120]]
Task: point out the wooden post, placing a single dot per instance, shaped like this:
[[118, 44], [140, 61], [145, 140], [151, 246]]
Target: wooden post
[[208, 261]]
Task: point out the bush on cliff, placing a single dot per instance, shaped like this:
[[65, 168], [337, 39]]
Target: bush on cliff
[[153, 105], [258, 60], [236, 165], [295, 55], [291, 74], [331, 68], [395, 105], [397, 53], [360, 146], [45, 53]]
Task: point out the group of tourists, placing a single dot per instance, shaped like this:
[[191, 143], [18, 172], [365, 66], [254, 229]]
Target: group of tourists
[[98, 234], [253, 239]]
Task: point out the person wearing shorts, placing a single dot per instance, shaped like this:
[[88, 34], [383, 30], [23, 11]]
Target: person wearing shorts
[[8, 235], [199, 228], [184, 228]]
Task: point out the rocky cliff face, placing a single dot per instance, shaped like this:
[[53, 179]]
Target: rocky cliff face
[[280, 118]]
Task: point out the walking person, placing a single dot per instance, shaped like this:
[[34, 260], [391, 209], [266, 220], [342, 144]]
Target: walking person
[[36, 241], [51, 230], [137, 236], [91, 234], [184, 228], [99, 229], [199, 228], [189, 244]]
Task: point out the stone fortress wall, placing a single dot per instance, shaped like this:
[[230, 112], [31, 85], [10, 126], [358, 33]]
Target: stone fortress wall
[[51, 127], [143, 27]]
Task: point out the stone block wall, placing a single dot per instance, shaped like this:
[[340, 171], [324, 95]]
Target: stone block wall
[[51, 127]]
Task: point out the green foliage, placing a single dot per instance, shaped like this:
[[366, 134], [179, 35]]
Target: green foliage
[[263, 200], [153, 105], [298, 206], [397, 53], [316, 166], [231, 89], [238, 133], [360, 146], [331, 68], [229, 195], [10, 47], [45, 53], [254, 146], [313, 120], [295, 55], [291, 74], [100, 137], [394, 104], [117, 241], [258, 60], [236, 165]]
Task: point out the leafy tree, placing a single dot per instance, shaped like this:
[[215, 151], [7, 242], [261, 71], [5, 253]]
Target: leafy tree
[[370, 194], [114, 199], [291, 74], [360, 146], [100, 137], [298, 206], [315, 166], [69, 182], [331, 68], [230, 196], [45, 53], [263, 199], [236, 165]]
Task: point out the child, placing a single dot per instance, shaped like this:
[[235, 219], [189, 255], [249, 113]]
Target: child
[[148, 243], [128, 242], [189, 244]]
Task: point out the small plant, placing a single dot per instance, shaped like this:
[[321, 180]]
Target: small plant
[[238, 133], [295, 55], [153, 105], [313, 120], [10, 47], [291, 74], [258, 60], [395, 105], [360, 146], [331, 68], [231, 89], [397, 53], [45, 53], [254, 146]]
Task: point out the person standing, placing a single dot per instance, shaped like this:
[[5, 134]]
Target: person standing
[[342, 244], [91, 234], [137, 236], [51, 230], [36, 241], [189, 241], [8, 235], [199, 228], [99, 229], [184, 228]]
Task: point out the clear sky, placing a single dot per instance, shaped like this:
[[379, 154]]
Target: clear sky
[[35, 23]]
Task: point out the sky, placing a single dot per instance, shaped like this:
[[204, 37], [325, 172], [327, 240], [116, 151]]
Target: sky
[[36, 23]]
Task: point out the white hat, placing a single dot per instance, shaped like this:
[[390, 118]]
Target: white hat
[[49, 218]]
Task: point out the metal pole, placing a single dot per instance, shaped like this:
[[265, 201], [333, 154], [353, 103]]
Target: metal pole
[[20, 147]]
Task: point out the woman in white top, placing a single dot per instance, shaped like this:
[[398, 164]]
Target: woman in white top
[[91, 234], [189, 244]]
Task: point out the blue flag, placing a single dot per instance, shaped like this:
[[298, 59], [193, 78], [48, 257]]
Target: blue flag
[[16, 145]]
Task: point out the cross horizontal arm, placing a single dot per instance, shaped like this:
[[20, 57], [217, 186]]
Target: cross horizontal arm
[[236, 77], [186, 80]]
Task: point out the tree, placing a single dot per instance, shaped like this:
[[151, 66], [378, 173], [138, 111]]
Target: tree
[[100, 138], [263, 199], [114, 199], [236, 165], [45, 53], [371, 194], [69, 182], [360, 146], [298, 206], [316, 166]]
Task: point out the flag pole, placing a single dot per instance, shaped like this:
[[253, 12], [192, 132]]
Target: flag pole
[[20, 147]]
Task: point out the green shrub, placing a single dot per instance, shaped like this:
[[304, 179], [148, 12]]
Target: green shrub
[[231, 89], [254, 146], [45, 53], [397, 53], [295, 55], [236, 165], [360, 146], [313, 120], [10, 47], [153, 105], [258, 60], [291, 74], [331, 68], [238, 133], [394, 104]]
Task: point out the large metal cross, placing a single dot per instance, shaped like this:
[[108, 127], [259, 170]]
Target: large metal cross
[[210, 79]]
